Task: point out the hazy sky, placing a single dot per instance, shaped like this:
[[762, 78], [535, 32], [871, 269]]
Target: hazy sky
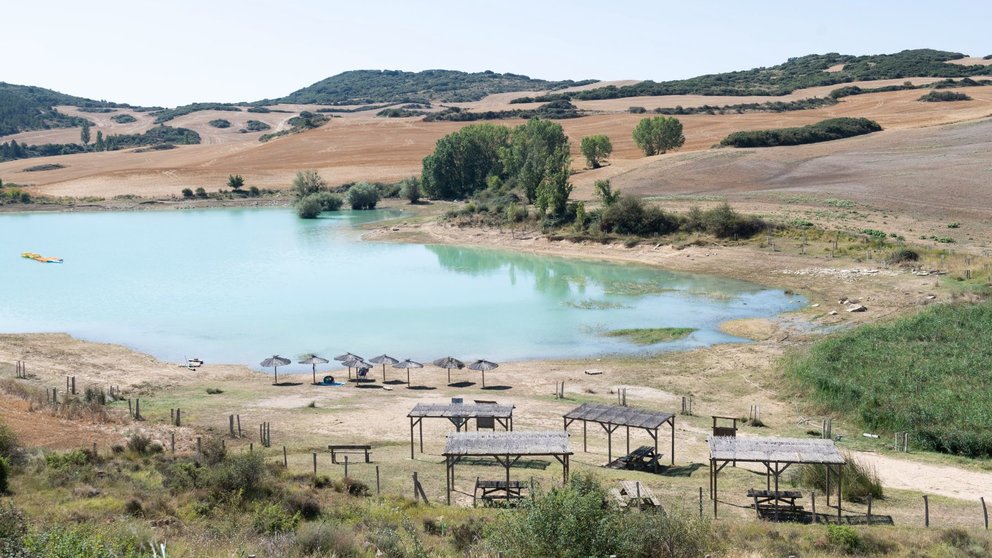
[[175, 52]]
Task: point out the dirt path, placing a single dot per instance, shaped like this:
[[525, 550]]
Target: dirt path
[[944, 480]]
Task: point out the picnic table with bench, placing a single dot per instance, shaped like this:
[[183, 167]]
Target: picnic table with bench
[[784, 500], [497, 490], [350, 448], [643, 458], [633, 493]]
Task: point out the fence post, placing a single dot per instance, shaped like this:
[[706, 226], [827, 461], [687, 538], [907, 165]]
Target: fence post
[[74, 385], [869, 508], [812, 499], [315, 464], [985, 512], [926, 511], [173, 442], [377, 489], [346, 466], [285, 458], [239, 425], [700, 502], [230, 425], [416, 497]]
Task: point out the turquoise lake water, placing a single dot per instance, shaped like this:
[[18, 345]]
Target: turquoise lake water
[[238, 285]]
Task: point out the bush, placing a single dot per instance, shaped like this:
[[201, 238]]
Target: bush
[[943, 96], [303, 505], [410, 189], [307, 182], [138, 443], [844, 538], [637, 110], [363, 196], [825, 130], [201, 193], [220, 123], [243, 473], [658, 135], [272, 518], [723, 222], [8, 441], [596, 149], [13, 529], [327, 539], [123, 118], [860, 480], [631, 216], [187, 193], [903, 255], [4, 473], [309, 207], [388, 190]]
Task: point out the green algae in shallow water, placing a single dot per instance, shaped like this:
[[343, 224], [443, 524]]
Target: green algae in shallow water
[[635, 288], [652, 335]]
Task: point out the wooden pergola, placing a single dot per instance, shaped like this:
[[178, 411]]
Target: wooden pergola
[[506, 448], [776, 454], [459, 414], [612, 417]]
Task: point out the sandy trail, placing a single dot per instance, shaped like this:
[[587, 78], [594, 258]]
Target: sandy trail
[[945, 480]]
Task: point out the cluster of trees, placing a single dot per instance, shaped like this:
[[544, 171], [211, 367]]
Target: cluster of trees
[[166, 115], [555, 110], [392, 86], [658, 135], [533, 157], [313, 196], [796, 73], [255, 126], [123, 118], [12, 194], [306, 120], [826, 130], [12, 150], [740, 108], [943, 96], [220, 123]]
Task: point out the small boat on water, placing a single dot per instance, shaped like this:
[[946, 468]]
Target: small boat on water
[[40, 258]]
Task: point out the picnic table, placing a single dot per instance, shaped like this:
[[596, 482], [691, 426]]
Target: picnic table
[[643, 458], [633, 493], [777, 499], [497, 490]]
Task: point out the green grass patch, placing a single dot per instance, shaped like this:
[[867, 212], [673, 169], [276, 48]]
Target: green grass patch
[[652, 335], [928, 374]]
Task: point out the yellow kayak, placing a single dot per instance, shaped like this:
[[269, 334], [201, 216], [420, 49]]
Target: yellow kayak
[[40, 258]]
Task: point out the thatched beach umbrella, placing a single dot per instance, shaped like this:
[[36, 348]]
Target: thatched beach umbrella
[[383, 360], [356, 362], [314, 360], [275, 362], [346, 356], [449, 363], [482, 366], [408, 364]]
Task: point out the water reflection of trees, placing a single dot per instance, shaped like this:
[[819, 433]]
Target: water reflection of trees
[[561, 277]]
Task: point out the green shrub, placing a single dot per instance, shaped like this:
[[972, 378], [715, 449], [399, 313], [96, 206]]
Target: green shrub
[[256, 126], [388, 190], [123, 118], [220, 123], [79, 542], [307, 182], [637, 110], [631, 216], [254, 192], [309, 207], [903, 255], [596, 149], [13, 529], [825, 130], [243, 474], [4, 473], [327, 539], [859, 480], [844, 538], [410, 189], [943, 96], [303, 505], [187, 193], [214, 391], [201, 193], [271, 518], [138, 443], [363, 196], [723, 222], [8, 441]]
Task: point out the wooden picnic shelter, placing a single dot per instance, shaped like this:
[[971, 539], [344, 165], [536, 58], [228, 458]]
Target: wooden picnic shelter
[[459, 414], [776, 454], [612, 417], [506, 448]]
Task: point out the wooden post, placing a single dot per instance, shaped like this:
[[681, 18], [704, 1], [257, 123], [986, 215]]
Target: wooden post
[[137, 409], [345, 466], [94, 449], [239, 425], [55, 396], [199, 448], [67, 384], [416, 497], [315, 464], [377, 479], [700, 502], [812, 499], [172, 443], [926, 511], [223, 445], [985, 512], [130, 407], [869, 508], [251, 447], [230, 425], [74, 385], [179, 417], [285, 458]]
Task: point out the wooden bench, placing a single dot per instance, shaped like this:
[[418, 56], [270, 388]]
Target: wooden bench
[[344, 448], [497, 490]]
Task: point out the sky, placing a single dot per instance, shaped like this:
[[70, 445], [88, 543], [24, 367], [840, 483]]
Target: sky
[[181, 51]]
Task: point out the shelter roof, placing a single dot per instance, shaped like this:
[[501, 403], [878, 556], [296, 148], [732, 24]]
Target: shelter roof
[[615, 414], [781, 450], [507, 443], [460, 410]]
